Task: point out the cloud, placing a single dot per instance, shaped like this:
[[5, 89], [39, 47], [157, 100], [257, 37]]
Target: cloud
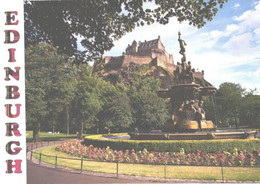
[[243, 34], [226, 67], [257, 35], [231, 28], [244, 16], [226, 54], [257, 73], [249, 20], [237, 5], [239, 44]]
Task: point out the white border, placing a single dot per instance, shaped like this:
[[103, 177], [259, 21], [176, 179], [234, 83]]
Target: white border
[[12, 5]]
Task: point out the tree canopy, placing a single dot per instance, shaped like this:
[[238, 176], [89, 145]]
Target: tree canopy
[[46, 78], [229, 98], [99, 22], [250, 108]]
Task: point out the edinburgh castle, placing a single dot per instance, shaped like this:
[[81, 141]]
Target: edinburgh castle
[[151, 54], [148, 52], [148, 58]]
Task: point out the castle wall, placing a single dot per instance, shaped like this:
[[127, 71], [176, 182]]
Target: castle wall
[[163, 59], [165, 65], [143, 53], [113, 62], [140, 60], [160, 45]]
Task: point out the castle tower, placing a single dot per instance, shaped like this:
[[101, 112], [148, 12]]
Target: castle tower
[[135, 47]]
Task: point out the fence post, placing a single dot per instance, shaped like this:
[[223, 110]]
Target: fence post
[[165, 172], [117, 169], [32, 146], [81, 168], [31, 155], [56, 161], [40, 158], [222, 173]]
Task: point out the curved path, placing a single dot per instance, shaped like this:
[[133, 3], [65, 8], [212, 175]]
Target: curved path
[[40, 174], [37, 174]]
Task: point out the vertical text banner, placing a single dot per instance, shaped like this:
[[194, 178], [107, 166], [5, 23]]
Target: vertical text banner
[[12, 96]]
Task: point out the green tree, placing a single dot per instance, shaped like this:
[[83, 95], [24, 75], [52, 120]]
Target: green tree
[[86, 104], [116, 112], [250, 108], [210, 108], [45, 75], [149, 111], [100, 22], [66, 92], [229, 101], [35, 108], [146, 83]]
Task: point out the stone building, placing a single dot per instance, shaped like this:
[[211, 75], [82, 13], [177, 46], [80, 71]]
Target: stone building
[[148, 52]]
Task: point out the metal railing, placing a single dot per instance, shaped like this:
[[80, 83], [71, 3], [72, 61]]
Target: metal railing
[[32, 146], [81, 160]]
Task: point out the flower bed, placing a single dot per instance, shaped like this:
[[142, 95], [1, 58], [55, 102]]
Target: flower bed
[[237, 158]]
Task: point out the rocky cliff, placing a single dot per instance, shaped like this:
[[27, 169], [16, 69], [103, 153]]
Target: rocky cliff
[[127, 75]]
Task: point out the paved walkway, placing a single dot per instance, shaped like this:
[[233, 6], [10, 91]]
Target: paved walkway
[[37, 174], [46, 174]]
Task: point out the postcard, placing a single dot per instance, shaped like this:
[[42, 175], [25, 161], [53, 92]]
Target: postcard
[[98, 91]]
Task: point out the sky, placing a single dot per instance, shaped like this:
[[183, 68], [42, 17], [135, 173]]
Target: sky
[[226, 48]]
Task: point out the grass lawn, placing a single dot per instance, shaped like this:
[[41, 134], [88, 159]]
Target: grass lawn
[[45, 136], [177, 172]]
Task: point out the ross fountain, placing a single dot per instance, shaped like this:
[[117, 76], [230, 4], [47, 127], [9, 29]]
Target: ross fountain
[[188, 115]]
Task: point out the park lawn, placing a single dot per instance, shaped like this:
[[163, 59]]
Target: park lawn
[[45, 136], [173, 172]]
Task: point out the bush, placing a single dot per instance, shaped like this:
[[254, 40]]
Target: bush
[[174, 145]]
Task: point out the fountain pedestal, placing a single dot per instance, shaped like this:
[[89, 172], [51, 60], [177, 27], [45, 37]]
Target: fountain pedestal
[[187, 107], [194, 125]]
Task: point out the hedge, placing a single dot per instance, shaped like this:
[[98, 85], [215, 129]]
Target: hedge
[[174, 145]]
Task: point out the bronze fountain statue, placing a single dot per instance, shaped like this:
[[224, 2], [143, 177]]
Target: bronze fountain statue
[[186, 97]]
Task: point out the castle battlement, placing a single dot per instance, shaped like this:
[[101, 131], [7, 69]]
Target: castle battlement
[[148, 52]]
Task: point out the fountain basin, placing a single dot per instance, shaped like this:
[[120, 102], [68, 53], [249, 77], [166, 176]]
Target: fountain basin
[[209, 135], [193, 125]]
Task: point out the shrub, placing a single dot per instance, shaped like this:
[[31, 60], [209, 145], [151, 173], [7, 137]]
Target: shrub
[[174, 145]]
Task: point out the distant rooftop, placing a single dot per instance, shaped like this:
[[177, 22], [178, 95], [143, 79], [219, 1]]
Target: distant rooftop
[[149, 43]]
